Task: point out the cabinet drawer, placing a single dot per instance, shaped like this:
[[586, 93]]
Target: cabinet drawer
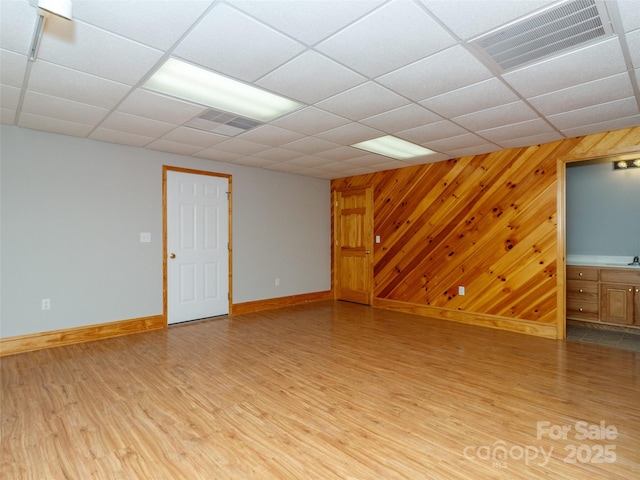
[[620, 275], [582, 290], [582, 310], [575, 272]]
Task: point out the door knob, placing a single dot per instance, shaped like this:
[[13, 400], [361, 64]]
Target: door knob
[[172, 255]]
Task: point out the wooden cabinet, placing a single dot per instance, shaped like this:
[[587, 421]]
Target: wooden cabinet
[[583, 301], [620, 296], [608, 295]]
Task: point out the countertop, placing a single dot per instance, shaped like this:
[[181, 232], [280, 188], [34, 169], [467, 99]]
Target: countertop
[[601, 261]]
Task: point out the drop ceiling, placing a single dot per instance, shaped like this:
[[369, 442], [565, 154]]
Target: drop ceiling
[[362, 69]]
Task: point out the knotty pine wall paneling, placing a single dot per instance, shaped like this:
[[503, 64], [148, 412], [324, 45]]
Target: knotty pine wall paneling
[[486, 222]]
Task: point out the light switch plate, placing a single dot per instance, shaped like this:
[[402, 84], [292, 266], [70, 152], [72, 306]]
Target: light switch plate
[[145, 237]]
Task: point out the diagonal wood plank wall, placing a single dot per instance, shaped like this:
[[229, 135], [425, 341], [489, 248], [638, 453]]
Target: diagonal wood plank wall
[[488, 222]]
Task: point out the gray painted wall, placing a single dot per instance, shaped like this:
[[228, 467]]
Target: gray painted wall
[[72, 211], [603, 210]]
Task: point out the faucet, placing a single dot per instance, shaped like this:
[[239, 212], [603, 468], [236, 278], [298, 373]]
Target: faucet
[[636, 261]]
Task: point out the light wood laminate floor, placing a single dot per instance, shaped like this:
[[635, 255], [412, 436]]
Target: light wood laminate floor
[[329, 390]]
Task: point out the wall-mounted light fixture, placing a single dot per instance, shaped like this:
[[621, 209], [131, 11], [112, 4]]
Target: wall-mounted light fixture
[[626, 164]]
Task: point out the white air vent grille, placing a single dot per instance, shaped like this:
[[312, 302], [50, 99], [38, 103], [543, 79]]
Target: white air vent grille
[[547, 33], [223, 123]]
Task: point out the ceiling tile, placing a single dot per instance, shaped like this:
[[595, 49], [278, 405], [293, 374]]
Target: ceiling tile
[[73, 85], [399, 33], [310, 145], [92, 50], [494, 117], [529, 140], [371, 161], [124, 122], [447, 145], [166, 109], [253, 162], [435, 157], [363, 101], [124, 138], [350, 134], [569, 69], [257, 49], [403, 118], [472, 98], [54, 125], [439, 73], [469, 18], [633, 43], [193, 136], [615, 124], [163, 145], [241, 147], [285, 167], [343, 153], [309, 161], [308, 22], [218, 155], [628, 13], [298, 79], [626, 107], [17, 23], [584, 95], [158, 25], [13, 68], [54, 107], [277, 154], [432, 132], [517, 131], [310, 121], [270, 135], [9, 97], [475, 150]]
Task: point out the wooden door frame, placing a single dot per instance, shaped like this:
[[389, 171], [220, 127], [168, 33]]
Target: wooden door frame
[[608, 155], [334, 237], [165, 286]]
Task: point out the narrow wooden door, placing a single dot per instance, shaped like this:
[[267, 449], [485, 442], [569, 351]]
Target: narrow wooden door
[[617, 303], [197, 246], [353, 245]]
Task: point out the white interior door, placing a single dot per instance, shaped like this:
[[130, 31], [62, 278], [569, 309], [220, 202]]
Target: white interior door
[[197, 246]]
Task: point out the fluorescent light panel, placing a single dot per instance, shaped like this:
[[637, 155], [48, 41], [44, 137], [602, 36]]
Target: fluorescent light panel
[[195, 84], [393, 147]]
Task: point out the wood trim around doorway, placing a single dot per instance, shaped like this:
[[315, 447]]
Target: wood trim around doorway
[[165, 169], [594, 155]]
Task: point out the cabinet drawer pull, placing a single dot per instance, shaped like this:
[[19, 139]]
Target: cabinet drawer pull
[[580, 290], [580, 274], [580, 309], [631, 289], [637, 290]]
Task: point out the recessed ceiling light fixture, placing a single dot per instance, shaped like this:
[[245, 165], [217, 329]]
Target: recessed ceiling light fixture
[[393, 147], [189, 82]]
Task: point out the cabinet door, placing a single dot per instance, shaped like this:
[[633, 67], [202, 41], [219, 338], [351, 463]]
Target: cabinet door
[[636, 303], [617, 303]]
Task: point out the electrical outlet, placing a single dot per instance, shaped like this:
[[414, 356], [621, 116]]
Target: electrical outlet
[[277, 282], [145, 237], [461, 290], [46, 304]]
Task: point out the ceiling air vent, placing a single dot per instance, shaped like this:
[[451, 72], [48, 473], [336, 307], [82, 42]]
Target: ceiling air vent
[[546, 33], [222, 123]]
